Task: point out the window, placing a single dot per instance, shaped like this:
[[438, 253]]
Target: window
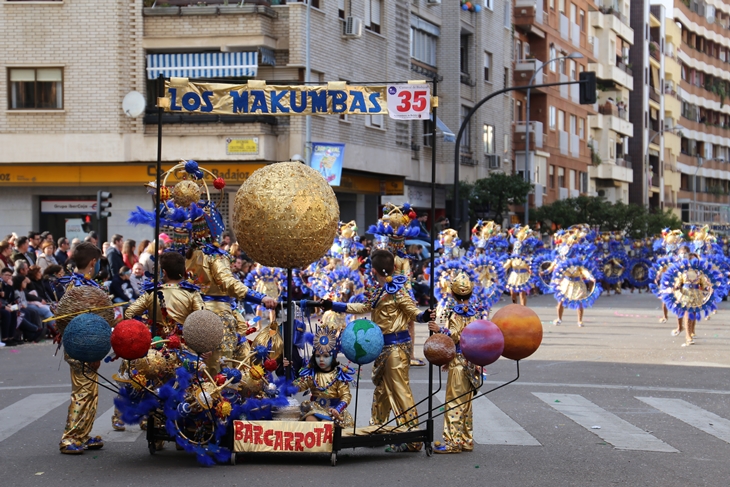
[[611, 149], [573, 124], [464, 54], [36, 88], [561, 120], [561, 177], [506, 79], [551, 178], [581, 127], [341, 9], [553, 55], [552, 4], [584, 182], [573, 13], [466, 136], [561, 6], [424, 36], [375, 121], [428, 133], [518, 50], [488, 139], [487, 66], [518, 110], [571, 66], [507, 16], [552, 118], [582, 20], [372, 15], [489, 4]]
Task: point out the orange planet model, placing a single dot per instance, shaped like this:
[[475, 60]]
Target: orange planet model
[[522, 330]]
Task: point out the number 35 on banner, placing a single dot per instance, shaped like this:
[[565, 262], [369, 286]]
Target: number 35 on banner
[[409, 102]]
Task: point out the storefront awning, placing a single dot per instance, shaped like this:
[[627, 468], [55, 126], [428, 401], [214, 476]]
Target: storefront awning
[[203, 65]]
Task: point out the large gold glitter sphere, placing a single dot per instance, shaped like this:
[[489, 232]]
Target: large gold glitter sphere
[[286, 215], [186, 192]]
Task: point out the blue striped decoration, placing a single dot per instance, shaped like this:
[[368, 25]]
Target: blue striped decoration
[[203, 65]]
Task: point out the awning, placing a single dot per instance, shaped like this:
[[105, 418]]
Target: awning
[[449, 136], [203, 65]]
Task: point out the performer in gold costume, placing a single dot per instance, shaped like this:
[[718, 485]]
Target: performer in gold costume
[[326, 380], [463, 375], [391, 308], [84, 388], [177, 298], [518, 268]]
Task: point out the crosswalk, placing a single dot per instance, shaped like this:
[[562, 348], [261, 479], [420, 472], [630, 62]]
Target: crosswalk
[[492, 425]]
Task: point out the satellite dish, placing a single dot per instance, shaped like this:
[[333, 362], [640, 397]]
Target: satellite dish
[[133, 104]]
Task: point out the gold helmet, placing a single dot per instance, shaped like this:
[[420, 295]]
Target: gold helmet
[[462, 285]]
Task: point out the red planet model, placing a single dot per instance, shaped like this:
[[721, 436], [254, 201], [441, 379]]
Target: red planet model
[[522, 330]]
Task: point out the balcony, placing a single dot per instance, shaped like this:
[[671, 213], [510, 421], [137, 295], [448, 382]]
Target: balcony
[[536, 135], [574, 145], [525, 69], [564, 88], [612, 118], [242, 25], [528, 15], [655, 50], [654, 94], [616, 23], [621, 170], [564, 27], [563, 142], [607, 69]]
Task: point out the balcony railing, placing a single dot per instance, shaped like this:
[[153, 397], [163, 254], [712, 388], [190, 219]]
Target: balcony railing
[[654, 94], [624, 161], [536, 134], [614, 110], [654, 50], [625, 68]]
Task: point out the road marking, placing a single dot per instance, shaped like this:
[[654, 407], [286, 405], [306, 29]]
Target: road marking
[[10, 388], [614, 430], [18, 415], [103, 428], [492, 426], [619, 387], [693, 415]]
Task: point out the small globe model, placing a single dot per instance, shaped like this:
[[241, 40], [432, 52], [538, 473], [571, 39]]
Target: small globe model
[[87, 338], [362, 341], [481, 342], [522, 330]]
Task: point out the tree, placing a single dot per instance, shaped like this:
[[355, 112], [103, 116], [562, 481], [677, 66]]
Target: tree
[[493, 195], [635, 220]]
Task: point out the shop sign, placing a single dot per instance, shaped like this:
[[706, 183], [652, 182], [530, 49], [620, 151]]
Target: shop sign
[[242, 147], [68, 206]]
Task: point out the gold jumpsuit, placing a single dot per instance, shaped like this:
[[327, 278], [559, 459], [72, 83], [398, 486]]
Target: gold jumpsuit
[[327, 391], [179, 303], [462, 379], [212, 273], [392, 313], [84, 401]]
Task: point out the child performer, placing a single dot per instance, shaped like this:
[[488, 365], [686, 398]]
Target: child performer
[[177, 298], [463, 376], [326, 380], [84, 387], [391, 308]]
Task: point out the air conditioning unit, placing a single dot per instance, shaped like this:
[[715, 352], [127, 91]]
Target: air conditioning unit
[[353, 27], [493, 161], [602, 193], [433, 1]]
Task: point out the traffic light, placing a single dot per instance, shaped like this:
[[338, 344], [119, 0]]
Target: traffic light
[[86, 225], [102, 204], [587, 91]]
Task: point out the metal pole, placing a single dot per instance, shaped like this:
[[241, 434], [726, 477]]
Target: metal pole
[[307, 79], [431, 275], [158, 183], [289, 326]]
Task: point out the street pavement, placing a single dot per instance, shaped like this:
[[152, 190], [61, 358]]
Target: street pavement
[[616, 402]]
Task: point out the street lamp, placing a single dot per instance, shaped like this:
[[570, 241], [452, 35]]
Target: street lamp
[[528, 153], [676, 128]]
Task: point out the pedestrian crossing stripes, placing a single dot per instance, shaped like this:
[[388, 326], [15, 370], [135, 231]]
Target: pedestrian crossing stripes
[[612, 429], [103, 428], [18, 415], [706, 421], [492, 426]]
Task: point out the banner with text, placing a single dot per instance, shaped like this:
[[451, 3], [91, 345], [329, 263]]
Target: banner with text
[[256, 98], [282, 436]]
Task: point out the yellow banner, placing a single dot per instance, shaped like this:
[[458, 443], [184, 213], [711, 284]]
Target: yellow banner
[[283, 436], [112, 174], [256, 98]]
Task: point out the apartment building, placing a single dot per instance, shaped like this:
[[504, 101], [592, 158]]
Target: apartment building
[[69, 65], [611, 169], [560, 158], [704, 159]]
